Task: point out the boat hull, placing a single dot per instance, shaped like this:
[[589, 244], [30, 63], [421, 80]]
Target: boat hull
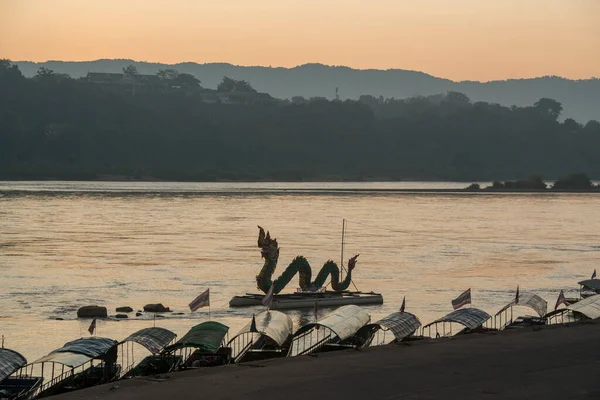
[[307, 300]]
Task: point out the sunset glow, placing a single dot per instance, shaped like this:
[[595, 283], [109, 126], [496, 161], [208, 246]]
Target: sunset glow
[[460, 40]]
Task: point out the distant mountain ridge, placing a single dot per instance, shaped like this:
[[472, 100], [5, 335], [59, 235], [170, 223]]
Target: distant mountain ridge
[[580, 98]]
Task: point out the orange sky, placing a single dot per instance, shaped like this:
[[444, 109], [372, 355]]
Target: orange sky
[[457, 39]]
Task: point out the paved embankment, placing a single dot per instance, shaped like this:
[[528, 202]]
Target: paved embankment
[[552, 363]]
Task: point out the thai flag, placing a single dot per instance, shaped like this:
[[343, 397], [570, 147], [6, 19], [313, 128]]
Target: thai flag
[[92, 327], [202, 300], [594, 274], [267, 301], [403, 306], [464, 298], [517, 296]]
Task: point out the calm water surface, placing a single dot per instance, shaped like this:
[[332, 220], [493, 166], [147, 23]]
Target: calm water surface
[[64, 245]]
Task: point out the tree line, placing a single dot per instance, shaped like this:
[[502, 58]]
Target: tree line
[[52, 126]]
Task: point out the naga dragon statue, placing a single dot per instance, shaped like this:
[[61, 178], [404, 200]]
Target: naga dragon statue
[[270, 252]]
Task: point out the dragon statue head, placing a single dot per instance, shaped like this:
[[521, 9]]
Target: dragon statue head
[[269, 249], [352, 262]]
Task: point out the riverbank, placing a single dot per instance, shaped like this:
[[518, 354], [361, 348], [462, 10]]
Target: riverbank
[[556, 362]]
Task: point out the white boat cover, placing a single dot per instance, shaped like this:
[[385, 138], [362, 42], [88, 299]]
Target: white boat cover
[[80, 351], [344, 321], [10, 361], [526, 299], [154, 339], [274, 324], [470, 317], [590, 307]]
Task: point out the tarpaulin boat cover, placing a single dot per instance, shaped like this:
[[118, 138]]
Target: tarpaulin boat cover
[[526, 299], [344, 322], [92, 347], [469, 317], [80, 351], [154, 339], [590, 307], [10, 361], [206, 337], [274, 324], [401, 324], [591, 283], [67, 358]]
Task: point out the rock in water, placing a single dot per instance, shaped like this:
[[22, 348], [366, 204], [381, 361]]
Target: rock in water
[[92, 312], [156, 308], [121, 316], [124, 309], [138, 314]]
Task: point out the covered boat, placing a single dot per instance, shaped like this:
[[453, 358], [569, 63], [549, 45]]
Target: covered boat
[[267, 335], [589, 287], [471, 319], [202, 346], [503, 319], [78, 364], [396, 327], [588, 308], [154, 340], [335, 331], [13, 384]]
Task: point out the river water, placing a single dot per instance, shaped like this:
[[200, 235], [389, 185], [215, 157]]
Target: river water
[[68, 244]]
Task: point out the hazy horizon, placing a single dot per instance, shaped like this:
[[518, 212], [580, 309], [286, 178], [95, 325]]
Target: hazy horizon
[[462, 40]]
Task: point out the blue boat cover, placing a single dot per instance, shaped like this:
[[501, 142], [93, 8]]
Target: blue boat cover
[[92, 347], [154, 339], [10, 361], [469, 317]]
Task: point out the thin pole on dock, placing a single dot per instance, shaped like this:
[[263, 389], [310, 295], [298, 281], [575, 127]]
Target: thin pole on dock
[[342, 251], [2, 341]]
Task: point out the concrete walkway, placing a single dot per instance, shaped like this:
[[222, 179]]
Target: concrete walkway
[[558, 362]]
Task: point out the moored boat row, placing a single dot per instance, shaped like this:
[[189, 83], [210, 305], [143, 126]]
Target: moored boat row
[[93, 360]]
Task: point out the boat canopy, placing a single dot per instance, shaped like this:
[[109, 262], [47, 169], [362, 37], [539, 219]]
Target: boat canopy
[[588, 307], [274, 324], [344, 322], [10, 361], [206, 336], [471, 318], [591, 283], [154, 339], [526, 299], [80, 351], [402, 324]]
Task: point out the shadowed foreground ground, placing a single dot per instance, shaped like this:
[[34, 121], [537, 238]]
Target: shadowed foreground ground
[[558, 362]]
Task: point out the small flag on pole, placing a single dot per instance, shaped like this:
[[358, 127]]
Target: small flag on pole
[[561, 300], [253, 325], [267, 301], [202, 300], [464, 298], [403, 306], [316, 310], [517, 296], [594, 274], [92, 327]]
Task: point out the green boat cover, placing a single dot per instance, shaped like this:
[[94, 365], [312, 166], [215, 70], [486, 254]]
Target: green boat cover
[[206, 337]]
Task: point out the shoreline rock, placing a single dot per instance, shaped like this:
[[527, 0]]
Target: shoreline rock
[[92, 312], [156, 308]]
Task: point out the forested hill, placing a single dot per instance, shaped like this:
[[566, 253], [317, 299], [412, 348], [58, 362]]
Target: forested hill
[[56, 127], [580, 99]]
